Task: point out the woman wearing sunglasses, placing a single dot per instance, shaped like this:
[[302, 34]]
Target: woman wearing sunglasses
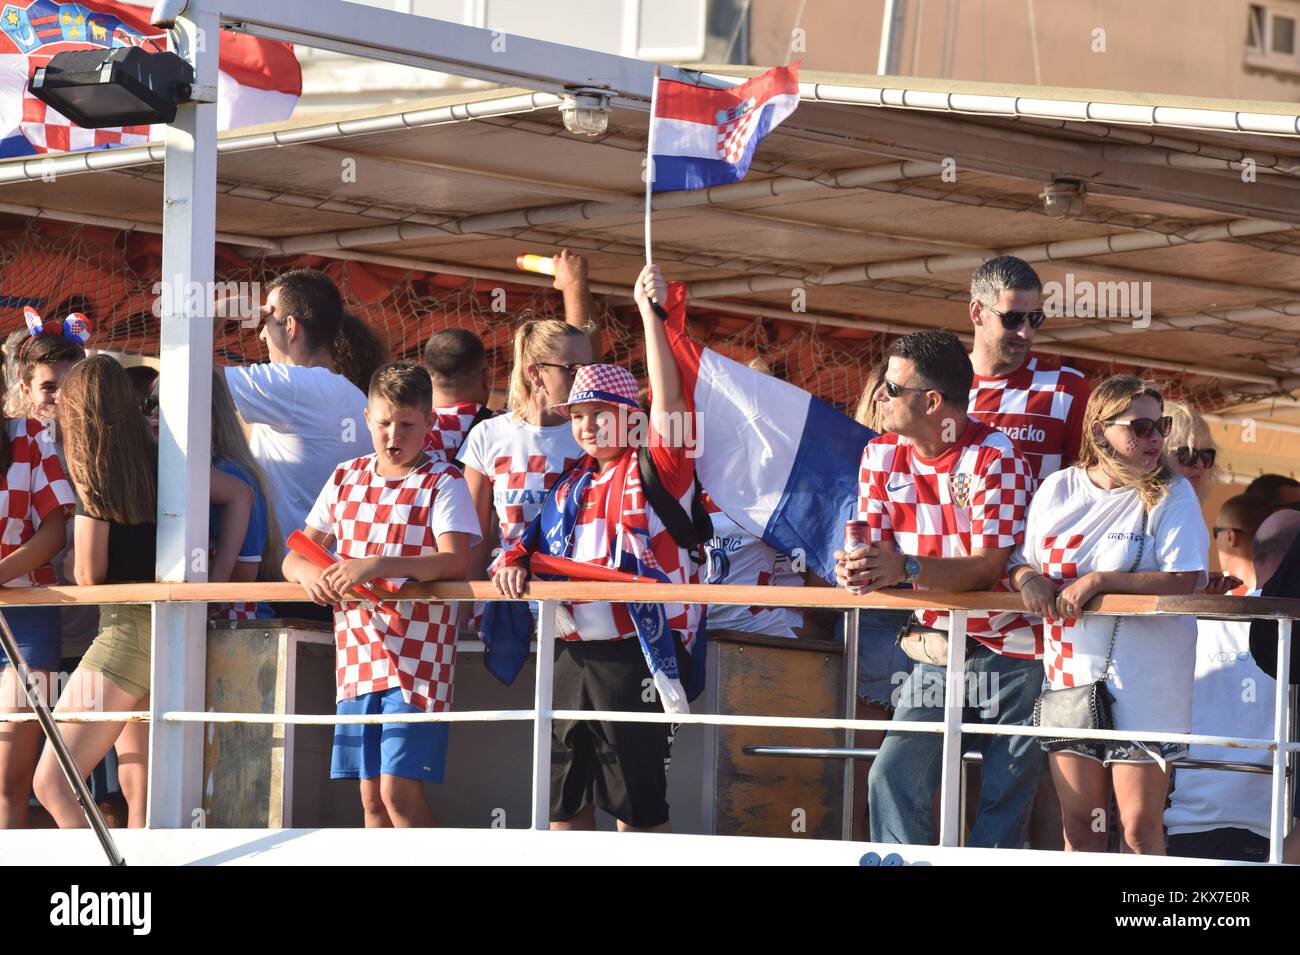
[[1190, 450], [1118, 522]]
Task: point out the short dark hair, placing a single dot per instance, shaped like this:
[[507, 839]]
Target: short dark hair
[[47, 348], [313, 299], [1269, 487], [454, 356], [403, 384], [142, 378], [1003, 272], [1245, 512], [940, 360]]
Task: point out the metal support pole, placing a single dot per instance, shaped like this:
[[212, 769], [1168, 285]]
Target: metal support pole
[[184, 435], [851, 619], [891, 37], [1281, 732], [542, 693], [954, 701]]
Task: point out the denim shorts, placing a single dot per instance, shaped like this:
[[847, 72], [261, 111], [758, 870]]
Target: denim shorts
[[38, 631], [882, 666], [1107, 751]]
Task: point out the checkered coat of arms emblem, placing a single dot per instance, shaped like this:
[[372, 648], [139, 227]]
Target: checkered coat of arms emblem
[[959, 488]]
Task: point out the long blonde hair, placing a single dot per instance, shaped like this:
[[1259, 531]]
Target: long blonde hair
[[229, 443], [868, 412], [112, 459], [1110, 400], [535, 340]]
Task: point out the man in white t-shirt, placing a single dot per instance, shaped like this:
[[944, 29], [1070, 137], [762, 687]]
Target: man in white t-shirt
[[1215, 814], [305, 417]]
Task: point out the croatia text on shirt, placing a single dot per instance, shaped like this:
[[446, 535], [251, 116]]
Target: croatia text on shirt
[[1039, 406]]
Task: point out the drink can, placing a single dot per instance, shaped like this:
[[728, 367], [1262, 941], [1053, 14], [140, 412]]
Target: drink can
[[856, 534]]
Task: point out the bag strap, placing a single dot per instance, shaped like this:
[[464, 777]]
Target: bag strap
[[483, 414], [1142, 543], [689, 531]]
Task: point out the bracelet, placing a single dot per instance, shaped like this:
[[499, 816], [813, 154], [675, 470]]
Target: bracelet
[[1026, 580]]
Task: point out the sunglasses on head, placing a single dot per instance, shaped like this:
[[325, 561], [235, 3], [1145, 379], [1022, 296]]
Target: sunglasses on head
[[1142, 427], [1188, 456], [1011, 320]]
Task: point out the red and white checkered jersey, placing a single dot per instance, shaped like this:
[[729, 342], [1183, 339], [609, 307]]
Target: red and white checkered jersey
[[451, 423], [736, 556], [522, 461], [1039, 406], [410, 644], [973, 496], [34, 486]]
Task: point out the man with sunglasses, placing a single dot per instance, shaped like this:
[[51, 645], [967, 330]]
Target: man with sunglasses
[[945, 498], [1036, 402]]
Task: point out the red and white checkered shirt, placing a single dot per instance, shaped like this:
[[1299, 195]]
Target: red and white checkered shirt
[[973, 496], [34, 486], [1039, 406], [409, 644], [450, 425], [522, 461]]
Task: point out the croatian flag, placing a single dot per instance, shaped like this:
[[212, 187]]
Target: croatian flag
[[705, 137], [779, 462], [259, 80]]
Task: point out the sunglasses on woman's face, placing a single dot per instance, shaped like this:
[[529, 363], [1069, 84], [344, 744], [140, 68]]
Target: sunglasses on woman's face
[[1189, 456], [1011, 320], [1142, 427], [571, 369]]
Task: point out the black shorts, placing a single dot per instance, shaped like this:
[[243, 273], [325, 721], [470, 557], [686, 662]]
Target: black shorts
[[622, 768], [1228, 844]]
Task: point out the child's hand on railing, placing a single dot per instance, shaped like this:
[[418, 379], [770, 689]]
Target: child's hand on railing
[[340, 577], [317, 590], [511, 581]]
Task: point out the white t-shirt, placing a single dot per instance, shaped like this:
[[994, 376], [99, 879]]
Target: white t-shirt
[[304, 422], [736, 556], [522, 461], [1075, 528], [1232, 696]]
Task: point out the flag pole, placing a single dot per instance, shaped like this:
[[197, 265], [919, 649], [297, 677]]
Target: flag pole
[[649, 183]]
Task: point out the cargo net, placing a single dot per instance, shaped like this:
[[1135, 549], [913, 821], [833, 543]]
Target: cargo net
[[113, 277]]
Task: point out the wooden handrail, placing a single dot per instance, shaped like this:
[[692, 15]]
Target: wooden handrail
[[830, 597]]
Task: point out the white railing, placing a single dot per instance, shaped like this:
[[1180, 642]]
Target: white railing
[[550, 595]]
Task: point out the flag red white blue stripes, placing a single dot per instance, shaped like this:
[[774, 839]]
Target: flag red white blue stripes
[[706, 137]]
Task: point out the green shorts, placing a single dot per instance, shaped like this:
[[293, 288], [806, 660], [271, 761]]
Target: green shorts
[[121, 650]]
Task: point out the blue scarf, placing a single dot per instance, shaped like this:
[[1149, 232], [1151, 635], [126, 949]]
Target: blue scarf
[[505, 628]]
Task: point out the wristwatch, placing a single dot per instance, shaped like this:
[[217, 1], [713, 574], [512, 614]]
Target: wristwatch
[[911, 569]]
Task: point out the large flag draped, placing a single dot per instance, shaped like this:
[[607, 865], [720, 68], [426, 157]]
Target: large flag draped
[[704, 136], [779, 462], [259, 80]]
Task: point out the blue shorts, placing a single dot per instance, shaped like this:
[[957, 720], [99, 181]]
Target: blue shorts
[[39, 632], [367, 750]]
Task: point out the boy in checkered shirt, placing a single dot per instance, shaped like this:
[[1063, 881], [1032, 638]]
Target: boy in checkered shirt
[[396, 513]]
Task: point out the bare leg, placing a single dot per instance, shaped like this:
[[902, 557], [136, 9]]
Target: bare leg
[[372, 805], [1140, 791], [19, 743], [585, 820], [87, 742], [1083, 785], [133, 770], [404, 799]]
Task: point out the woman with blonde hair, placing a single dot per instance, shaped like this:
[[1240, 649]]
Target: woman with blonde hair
[[1117, 522], [512, 460], [1190, 450]]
